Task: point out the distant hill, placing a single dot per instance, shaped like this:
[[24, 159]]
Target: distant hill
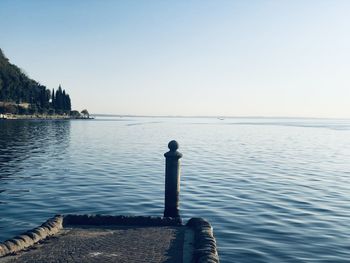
[[20, 94]]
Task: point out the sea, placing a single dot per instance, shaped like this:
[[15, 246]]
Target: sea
[[274, 189]]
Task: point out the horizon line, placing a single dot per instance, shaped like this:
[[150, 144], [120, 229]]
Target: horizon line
[[215, 116]]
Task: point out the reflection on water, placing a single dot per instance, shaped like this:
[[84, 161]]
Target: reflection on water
[[26, 149], [20, 140], [275, 190]]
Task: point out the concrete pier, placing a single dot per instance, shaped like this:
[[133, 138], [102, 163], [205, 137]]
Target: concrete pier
[[84, 238]]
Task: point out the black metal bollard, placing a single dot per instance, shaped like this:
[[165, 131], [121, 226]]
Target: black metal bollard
[[172, 180]]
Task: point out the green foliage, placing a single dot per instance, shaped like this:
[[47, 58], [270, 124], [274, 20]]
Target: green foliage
[[75, 114], [60, 100], [9, 108], [17, 88], [85, 113]]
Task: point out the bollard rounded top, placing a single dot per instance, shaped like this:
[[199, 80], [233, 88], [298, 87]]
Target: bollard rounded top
[[173, 153], [173, 145]]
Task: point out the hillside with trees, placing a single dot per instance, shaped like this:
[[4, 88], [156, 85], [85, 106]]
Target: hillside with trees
[[21, 95]]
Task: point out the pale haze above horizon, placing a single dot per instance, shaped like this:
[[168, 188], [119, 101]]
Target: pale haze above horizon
[[189, 58]]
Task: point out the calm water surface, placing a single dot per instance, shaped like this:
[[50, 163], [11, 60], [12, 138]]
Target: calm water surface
[[275, 190]]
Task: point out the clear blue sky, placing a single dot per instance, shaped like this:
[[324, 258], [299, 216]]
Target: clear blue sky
[[238, 58]]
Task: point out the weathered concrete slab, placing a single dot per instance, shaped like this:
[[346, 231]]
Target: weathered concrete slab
[[107, 244], [83, 238]]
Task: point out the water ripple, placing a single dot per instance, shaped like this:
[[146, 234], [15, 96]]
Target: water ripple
[[274, 190]]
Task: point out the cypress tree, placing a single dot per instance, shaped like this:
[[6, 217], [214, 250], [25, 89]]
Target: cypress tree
[[59, 99], [64, 101], [43, 97], [53, 98], [69, 105]]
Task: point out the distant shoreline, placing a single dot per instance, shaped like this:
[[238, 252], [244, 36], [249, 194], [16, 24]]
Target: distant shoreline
[[41, 117]]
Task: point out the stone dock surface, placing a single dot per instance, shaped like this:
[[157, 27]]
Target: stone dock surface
[[75, 238]]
